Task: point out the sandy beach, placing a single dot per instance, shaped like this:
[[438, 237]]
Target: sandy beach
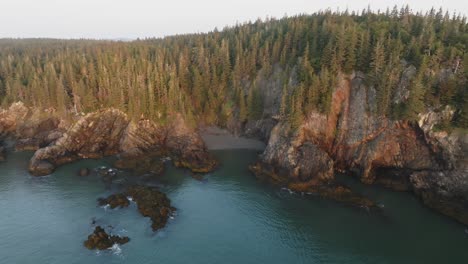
[[216, 138]]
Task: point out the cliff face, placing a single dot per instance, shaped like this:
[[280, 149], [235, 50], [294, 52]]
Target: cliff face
[[398, 154], [446, 189]]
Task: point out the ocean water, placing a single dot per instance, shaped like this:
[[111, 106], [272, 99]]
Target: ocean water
[[228, 217]]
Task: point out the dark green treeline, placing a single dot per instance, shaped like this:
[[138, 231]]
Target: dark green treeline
[[210, 77]]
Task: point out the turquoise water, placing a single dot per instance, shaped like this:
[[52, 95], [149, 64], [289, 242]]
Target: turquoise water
[[227, 218]]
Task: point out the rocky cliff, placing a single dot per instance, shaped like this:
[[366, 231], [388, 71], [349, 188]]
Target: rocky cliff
[[30, 129], [139, 144], [351, 138]]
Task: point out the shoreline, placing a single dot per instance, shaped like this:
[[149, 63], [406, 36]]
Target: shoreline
[[220, 139]]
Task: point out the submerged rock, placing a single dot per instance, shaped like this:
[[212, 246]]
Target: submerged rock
[[2, 153], [202, 162], [107, 172], [84, 172], [197, 176], [140, 164], [99, 239]]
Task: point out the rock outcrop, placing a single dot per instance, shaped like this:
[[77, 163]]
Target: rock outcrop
[[11, 117], [110, 132], [96, 135], [352, 138], [142, 145], [37, 133], [30, 129], [444, 189]]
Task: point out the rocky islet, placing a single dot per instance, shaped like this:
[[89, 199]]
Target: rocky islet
[[150, 203], [100, 240]]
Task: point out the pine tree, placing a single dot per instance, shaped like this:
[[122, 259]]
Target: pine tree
[[313, 94], [254, 103], [296, 116], [284, 103], [415, 102], [202, 76], [377, 62], [363, 53], [243, 111], [61, 98], [350, 54]]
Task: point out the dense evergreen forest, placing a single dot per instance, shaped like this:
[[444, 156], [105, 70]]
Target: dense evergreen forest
[[210, 77]]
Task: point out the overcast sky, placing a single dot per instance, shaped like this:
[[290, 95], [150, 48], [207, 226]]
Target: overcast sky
[[156, 18]]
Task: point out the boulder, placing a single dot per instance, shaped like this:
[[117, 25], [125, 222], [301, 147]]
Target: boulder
[[2, 153], [84, 172], [41, 167]]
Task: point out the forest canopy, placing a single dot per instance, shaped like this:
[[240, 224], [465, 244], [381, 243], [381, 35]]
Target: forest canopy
[[210, 77]]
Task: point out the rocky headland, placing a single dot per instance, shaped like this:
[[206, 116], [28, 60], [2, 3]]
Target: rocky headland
[[351, 138]]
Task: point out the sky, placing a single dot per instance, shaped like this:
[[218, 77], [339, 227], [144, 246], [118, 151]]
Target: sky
[[129, 19]]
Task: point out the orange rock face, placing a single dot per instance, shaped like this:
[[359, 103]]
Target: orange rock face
[[352, 138]]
